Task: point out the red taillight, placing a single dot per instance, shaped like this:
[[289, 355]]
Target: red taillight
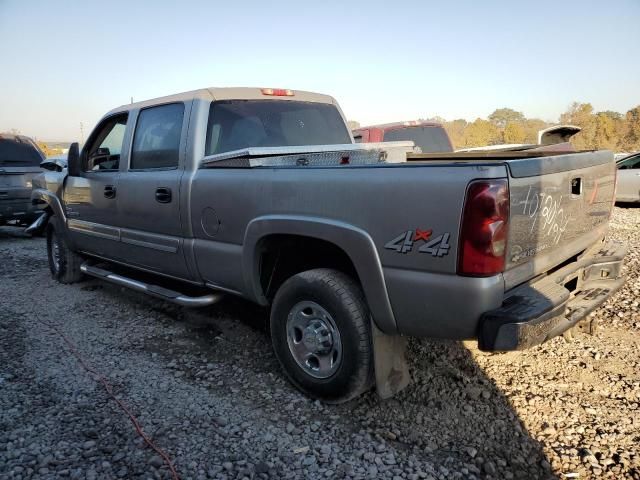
[[277, 92], [485, 224]]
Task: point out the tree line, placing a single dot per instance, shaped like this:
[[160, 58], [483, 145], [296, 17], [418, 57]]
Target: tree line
[[600, 130]]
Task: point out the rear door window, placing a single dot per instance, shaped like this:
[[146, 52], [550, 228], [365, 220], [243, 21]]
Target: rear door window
[[19, 151], [156, 141], [237, 124]]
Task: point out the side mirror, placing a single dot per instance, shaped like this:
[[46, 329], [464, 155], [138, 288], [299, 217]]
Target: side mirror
[[55, 164], [73, 160]]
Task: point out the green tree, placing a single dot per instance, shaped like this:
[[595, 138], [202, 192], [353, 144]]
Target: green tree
[[531, 128], [581, 115], [577, 114], [615, 116], [455, 129], [502, 116], [513, 133], [605, 132], [481, 133], [630, 141]]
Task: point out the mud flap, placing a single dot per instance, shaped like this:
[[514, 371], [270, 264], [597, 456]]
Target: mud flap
[[390, 362]]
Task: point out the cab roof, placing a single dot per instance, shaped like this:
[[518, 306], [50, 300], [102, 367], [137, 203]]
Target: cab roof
[[227, 93]]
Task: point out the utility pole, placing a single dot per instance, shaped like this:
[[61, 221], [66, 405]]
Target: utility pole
[[131, 100], [81, 133]]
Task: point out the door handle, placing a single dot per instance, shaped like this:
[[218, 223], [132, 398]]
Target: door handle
[[163, 195], [110, 191]]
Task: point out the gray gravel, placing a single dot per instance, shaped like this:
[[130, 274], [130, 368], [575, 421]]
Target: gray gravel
[[206, 387]]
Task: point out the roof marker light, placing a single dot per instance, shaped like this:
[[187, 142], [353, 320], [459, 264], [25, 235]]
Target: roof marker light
[[277, 92]]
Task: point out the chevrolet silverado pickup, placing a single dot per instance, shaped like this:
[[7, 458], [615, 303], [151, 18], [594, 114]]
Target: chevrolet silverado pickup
[[262, 193]]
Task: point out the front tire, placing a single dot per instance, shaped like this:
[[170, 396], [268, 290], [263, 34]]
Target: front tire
[[321, 334], [64, 263]]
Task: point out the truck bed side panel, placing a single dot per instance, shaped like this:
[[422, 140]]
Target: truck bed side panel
[[418, 202]]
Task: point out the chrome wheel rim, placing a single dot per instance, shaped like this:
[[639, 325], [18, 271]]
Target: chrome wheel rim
[[56, 253], [314, 340]]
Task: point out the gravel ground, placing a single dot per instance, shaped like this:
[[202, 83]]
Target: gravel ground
[[206, 387]]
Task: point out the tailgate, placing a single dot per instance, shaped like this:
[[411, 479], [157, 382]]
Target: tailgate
[[559, 206], [16, 182]]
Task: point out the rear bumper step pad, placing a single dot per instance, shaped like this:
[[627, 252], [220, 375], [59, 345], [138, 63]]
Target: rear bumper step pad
[[534, 313]]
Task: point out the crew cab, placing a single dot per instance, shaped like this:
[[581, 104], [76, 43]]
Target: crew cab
[[262, 194], [429, 137]]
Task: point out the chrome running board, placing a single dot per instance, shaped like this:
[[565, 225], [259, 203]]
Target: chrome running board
[[153, 290]]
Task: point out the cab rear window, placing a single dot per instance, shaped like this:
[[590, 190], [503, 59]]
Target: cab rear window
[[237, 124], [18, 151]]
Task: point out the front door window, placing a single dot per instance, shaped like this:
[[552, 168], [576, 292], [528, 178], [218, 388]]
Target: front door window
[[105, 147]]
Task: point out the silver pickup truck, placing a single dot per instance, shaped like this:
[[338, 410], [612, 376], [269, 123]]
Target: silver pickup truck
[[261, 193]]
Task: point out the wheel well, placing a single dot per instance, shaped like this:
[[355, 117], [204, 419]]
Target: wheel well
[[282, 256]]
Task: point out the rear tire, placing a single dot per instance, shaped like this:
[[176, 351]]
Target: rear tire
[[321, 334], [64, 263]]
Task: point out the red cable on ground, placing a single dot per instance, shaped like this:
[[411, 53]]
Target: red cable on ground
[[107, 386]]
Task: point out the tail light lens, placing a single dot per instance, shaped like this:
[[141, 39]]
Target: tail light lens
[[485, 225]]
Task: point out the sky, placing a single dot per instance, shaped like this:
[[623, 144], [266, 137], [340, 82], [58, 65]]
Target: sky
[[68, 62]]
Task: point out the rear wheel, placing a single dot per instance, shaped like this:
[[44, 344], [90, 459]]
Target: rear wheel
[[321, 335], [64, 263]]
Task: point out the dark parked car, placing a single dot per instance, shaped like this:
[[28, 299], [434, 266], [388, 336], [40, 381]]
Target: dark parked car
[[20, 160], [430, 137]]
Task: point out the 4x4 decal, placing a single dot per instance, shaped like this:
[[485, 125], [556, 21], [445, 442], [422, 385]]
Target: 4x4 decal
[[403, 243]]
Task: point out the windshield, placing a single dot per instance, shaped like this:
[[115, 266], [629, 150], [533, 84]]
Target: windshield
[[429, 139], [19, 152], [237, 124], [629, 162]]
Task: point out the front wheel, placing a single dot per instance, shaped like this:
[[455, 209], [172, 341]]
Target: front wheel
[[64, 263], [321, 335]]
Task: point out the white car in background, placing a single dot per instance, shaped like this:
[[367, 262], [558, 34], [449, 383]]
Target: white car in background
[[628, 178]]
